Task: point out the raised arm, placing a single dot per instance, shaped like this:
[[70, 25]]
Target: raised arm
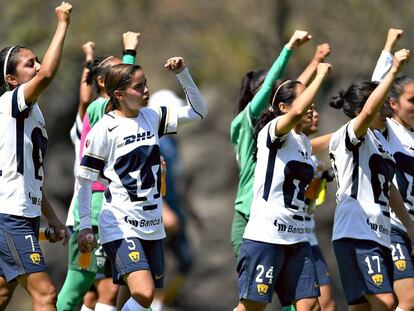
[[51, 60], [377, 97], [384, 62], [86, 90], [261, 100], [196, 108], [302, 104], [322, 51], [131, 40]]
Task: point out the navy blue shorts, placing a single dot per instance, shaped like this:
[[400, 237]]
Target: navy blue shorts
[[287, 269], [401, 254], [366, 268], [321, 267], [20, 252], [133, 254]]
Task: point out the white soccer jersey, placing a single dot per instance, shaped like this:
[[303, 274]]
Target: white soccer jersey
[[401, 144], [283, 171], [126, 151], [75, 135], [364, 170], [23, 142]]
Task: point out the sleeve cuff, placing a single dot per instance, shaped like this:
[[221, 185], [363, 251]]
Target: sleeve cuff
[[183, 75]]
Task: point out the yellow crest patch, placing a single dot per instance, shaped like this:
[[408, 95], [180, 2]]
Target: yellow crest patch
[[262, 289], [134, 256], [378, 279], [35, 257], [400, 264]]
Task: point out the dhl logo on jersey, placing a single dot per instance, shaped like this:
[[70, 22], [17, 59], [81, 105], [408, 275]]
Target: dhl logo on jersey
[[378, 279], [400, 264], [134, 256], [262, 289], [35, 257]]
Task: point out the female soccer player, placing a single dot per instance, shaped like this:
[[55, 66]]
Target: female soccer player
[[22, 150], [364, 168], [275, 252], [254, 98], [79, 279], [123, 147], [400, 137]]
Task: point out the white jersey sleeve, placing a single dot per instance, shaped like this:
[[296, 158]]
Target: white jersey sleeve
[[384, 64], [196, 108], [12, 103]]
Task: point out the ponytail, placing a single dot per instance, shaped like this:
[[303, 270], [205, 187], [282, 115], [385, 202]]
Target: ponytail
[[354, 98], [250, 84]]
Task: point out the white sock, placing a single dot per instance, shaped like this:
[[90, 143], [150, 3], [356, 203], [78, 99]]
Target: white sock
[[104, 307], [399, 309], [157, 305], [133, 305], [85, 308]]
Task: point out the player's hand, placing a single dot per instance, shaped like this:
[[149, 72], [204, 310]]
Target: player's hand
[[130, 40], [86, 240], [298, 38], [175, 64], [400, 59], [323, 69], [89, 49], [322, 51], [60, 232], [63, 12], [394, 35]]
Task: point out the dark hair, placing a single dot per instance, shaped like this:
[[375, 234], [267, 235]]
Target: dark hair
[[286, 93], [398, 87], [118, 77], [12, 63], [99, 67], [354, 98], [250, 83]]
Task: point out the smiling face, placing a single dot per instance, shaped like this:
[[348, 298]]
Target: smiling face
[[136, 95], [403, 107], [311, 127], [26, 68]]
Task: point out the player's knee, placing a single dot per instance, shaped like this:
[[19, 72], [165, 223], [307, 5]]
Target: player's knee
[[388, 302], [328, 305], [5, 295], [108, 295], [144, 296], [406, 303], [45, 294], [310, 304]]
